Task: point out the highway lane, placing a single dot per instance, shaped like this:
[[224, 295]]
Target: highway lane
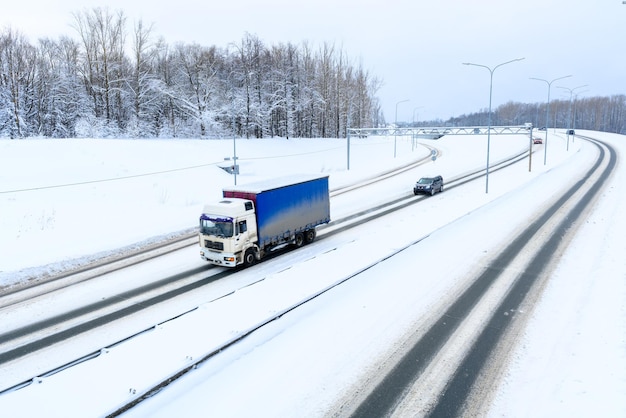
[[539, 245]]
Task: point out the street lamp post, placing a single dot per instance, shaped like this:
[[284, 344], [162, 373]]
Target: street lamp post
[[491, 71], [574, 111], [414, 135], [414, 109], [348, 134], [569, 119], [395, 131], [549, 83], [234, 165]]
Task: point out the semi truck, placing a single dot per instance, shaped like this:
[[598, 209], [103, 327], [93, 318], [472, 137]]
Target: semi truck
[[253, 220]]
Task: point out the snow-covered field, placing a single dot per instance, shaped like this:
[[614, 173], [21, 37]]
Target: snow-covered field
[[62, 201], [65, 199]]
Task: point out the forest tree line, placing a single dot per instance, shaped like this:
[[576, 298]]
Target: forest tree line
[[104, 84], [606, 114], [109, 82]]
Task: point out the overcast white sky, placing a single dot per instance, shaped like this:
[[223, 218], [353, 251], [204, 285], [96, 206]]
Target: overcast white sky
[[416, 47]]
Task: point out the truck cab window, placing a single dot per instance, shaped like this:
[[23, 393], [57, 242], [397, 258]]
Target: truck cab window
[[243, 227], [217, 228]]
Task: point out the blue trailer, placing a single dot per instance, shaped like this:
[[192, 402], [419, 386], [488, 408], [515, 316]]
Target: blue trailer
[[254, 219]]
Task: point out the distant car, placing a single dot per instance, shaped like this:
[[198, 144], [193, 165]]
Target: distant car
[[537, 141], [428, 185], [570, 132], [543, 128]]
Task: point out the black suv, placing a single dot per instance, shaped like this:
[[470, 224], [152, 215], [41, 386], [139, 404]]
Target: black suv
[[428, 185]]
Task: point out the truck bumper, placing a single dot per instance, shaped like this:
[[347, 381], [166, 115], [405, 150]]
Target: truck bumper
[[218, 258]]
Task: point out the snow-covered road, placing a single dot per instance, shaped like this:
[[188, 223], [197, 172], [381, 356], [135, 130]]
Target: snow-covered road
[[315, 358]]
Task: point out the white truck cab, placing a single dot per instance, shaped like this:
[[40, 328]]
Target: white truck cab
[[227, 229]]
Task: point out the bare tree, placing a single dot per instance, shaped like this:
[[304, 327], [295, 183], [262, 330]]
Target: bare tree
[[145, 86], [196, 85], [17, 69], [102, 35]]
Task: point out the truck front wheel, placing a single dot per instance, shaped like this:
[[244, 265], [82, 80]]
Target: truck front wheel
[[249, 258]]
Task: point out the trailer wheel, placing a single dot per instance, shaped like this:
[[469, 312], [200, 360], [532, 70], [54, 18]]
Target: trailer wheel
[[249, 258], [299, 239], [309, 235]]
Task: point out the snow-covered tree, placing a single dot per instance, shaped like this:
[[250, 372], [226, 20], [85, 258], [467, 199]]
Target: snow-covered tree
[[17, 69]]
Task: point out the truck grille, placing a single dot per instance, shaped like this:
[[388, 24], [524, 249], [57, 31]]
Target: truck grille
[[213, 245]]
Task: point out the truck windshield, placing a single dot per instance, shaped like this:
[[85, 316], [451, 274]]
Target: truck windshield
[[215, 227]]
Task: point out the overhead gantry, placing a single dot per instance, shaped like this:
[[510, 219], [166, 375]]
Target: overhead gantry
[[438, 132]]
